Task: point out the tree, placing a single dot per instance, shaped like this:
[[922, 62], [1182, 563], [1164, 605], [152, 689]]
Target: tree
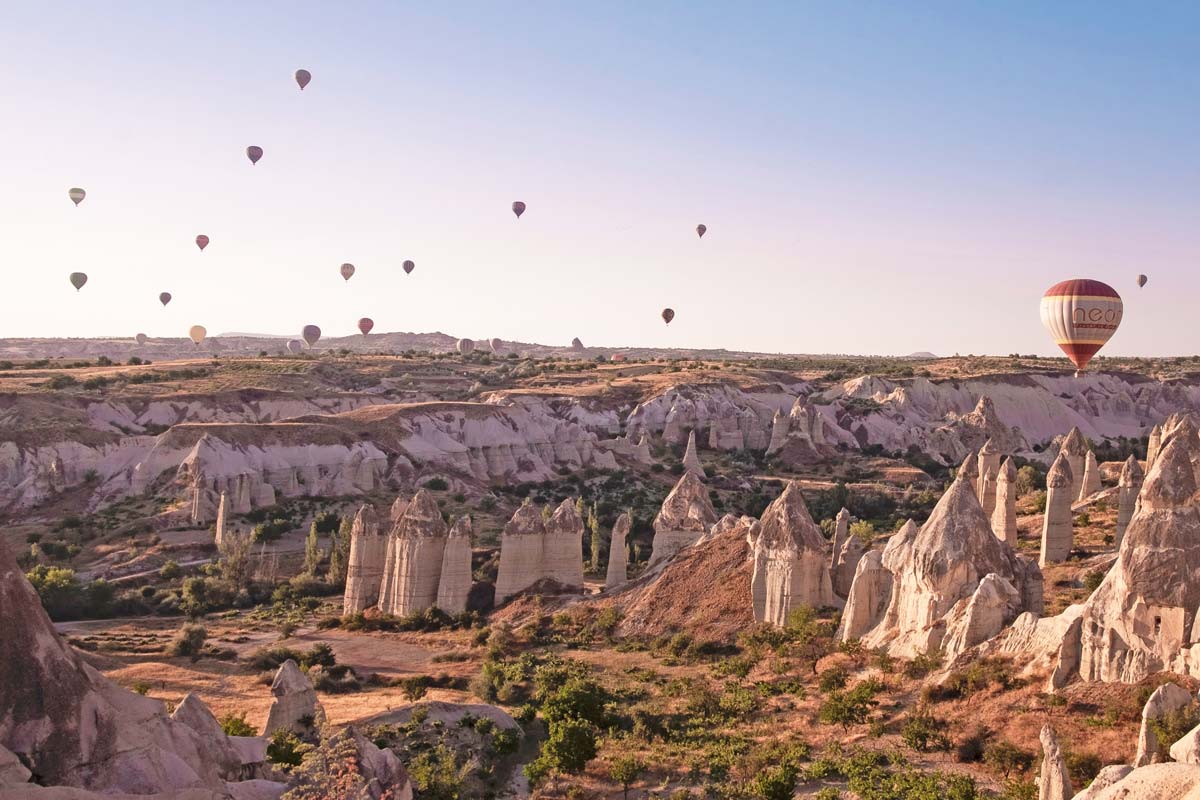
[[235, 557], [189, 641], [339, 553], [593, 524], [776, 783], [568, 748], [436, 774], [851, 707], [312, 552], [625, 770]]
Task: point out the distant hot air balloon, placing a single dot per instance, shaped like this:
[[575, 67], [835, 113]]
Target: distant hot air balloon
[[409, 267], [701, 230], [202, 242], [518, 208], [303, 76], [254, 153], [1081, 314], [576, 344], [311, 334], [465, 346], [164, 298], [668, 314], [1141, 280], [76, 195], [295, 346], [197, 333], [347, 271], [78, 279], [496, 344], [140, 338], [365, 324]]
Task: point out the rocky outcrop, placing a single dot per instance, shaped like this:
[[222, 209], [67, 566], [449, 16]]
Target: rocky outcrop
[[683, 408], [1166, 699], [1129, 486], [1061, 491], [413, 565], [845, 562], [1187, 749], [691, 460], [1053, 783], [366, 772], [368, 555], [1154, 443], [841, 532], [615, 576], [869, 595], [1091, 477], [1153, 782], [454, 583], [562, 551], [245, 756], [1047, 646], [1106, 777], [994, 604], [937, 572], [295, 706], [789, 558], [685, 516], [535, 547], [969, 470], [989, 469], [222, 510], [798, 436], [1074, 448], [1004, 515]]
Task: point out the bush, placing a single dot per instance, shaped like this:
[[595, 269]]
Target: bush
[[236, 725], [169, 571], [285, 748], [832, 679], [925, 733], [571, 743], [1005, 757], [436, 775], [851, 707], [189, 641], [436, 485], [1093, 579], [776, 783]]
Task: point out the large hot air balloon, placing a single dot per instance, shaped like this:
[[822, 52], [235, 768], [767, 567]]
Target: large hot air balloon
[[295, 346], [365, 324], [518, 208], [576, 344], [202, 242], [311, 334], [140, 338], [76, 194], [465, 346], [347, 271], [496, 345], [409, 267], [701, 230], [197, 333], [303, 76], [1141, 280], [78, 279], [164, 298], [1081, 314], [254, 153], [668, 314]]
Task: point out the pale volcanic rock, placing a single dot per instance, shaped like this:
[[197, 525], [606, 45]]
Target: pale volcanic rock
[[1105, 778], [1091, 477], [681, 408], [989, 468], [869, 595], [1057, 522], [12, 771], [1053, 783], [1187, 749], [685, 516], [691, 460], [235, 755], [1048, 646], [973, 621], [641, 452], [1004, 515], [295, 706], [942, 566], [1129, 486], [520, 552], [1154, 444], [616, 574], [798, 437], [415, 548], [364, 567], [1153, 782], [725, 432], [1166, 699], [562, 549], [841, 532], [968, 469], [845, 562], [399, 506], [222, 510], [1074, 448], [793, 559], [454, 584], [898, 549]]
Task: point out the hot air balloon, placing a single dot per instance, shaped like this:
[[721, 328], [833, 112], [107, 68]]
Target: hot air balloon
[[347, 271], [254, 153], [76, 195], [409, 267], [465, 346], [668, 314], [197, 333], [518, 208], [311, 334], [496, 344], [576, 344], [303, 76], [140, 338], [202, 242], [164, 298], [1081, 314], [295, 346], [78, 279], [1141, 280], [701, 230], [365, 324]]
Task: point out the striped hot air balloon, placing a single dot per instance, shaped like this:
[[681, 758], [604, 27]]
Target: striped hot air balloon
[[1082, 315]]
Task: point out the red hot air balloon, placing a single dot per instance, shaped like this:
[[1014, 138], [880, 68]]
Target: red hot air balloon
[[1082, 315], [202, 242], [78, 279], [164, 298], [347, 271], [668, 315], [518, 208], [254, 153], [365, 324], [311, 334], [303, 76], [409, 267], [701, 230]]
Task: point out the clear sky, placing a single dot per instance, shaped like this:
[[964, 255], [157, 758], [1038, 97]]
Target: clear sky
[[876, 177]]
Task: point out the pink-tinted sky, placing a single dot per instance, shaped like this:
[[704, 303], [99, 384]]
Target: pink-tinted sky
[[875, 178]]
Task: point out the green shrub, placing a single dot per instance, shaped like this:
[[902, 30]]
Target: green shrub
[[236, 725], [925, 733], [189, 641], [286, 749]]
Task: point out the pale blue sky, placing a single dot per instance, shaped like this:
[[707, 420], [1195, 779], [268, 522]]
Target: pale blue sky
[[875, 177]]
